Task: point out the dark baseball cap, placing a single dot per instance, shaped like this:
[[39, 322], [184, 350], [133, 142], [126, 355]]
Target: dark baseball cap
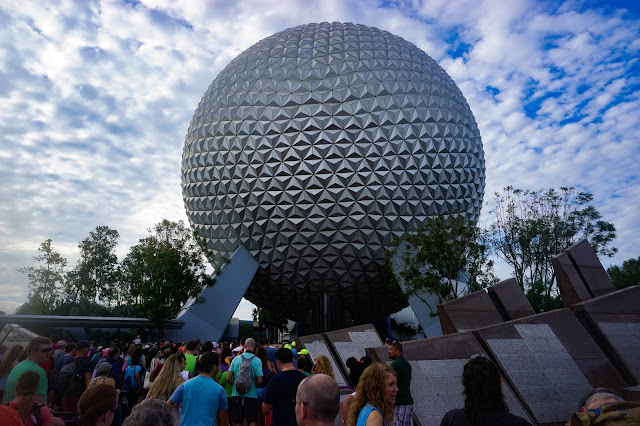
[[82, 344]]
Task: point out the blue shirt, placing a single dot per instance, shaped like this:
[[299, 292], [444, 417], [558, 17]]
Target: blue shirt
[[256, 367], [364, 415], [201, 399]]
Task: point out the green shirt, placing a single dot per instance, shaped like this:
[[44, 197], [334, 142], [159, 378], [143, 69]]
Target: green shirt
[[190, 366], [18, 370], [228, 387], [403, 373]]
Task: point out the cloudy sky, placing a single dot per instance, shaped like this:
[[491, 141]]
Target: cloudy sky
[[96, 98]]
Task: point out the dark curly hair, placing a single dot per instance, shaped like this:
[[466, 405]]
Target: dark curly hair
[[482, 391], [207, 361]]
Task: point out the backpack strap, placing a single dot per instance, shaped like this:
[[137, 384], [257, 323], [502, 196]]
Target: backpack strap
[[35, 410]]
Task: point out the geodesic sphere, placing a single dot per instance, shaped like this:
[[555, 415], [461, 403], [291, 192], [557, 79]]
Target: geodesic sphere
[[315, 148]]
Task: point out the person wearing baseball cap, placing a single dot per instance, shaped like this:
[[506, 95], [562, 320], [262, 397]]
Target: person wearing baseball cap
[[403, 411]]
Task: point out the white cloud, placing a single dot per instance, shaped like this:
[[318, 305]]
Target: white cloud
[[96, 97]]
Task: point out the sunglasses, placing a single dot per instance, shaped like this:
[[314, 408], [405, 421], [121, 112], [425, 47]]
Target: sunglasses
[[44, 350]]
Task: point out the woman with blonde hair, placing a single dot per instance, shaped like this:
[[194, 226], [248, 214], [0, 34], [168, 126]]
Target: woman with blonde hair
[[31, 412], [375, 397], [97, 406], [168, 379], [323, 366]]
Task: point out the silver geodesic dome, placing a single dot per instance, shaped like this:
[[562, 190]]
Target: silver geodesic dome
[[316, 147]]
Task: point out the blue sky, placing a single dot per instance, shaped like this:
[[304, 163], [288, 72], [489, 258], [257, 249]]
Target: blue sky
[[96, 98]]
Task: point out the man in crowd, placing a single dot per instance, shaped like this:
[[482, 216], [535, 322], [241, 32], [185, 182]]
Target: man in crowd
[[245, 404], [203, 399], [83, 370], [116, 367], [281, 390], [606, 406], [403, 411], [49, 367], [190, 356], [94, 354], [60, 349], [38, 351], [271, 351], [317, 401], [69, 349]]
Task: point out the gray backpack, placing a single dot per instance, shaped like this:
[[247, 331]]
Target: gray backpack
[[244, 380]]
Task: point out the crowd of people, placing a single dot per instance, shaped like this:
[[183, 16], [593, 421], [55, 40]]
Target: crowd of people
[[253, 383]]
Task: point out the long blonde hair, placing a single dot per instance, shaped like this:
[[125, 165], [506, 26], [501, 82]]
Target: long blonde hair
[[168, 379], [323, 365], [372, 389]]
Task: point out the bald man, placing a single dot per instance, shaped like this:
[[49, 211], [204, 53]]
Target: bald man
[[245, 405], [317, 401], [605, 406], [599, 398]]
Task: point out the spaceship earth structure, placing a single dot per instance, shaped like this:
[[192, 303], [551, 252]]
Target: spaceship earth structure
[[314, 149]]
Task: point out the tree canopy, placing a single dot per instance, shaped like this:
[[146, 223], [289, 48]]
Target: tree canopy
[[270, 321], [155, 279], [164, 270], [95, 276], [626, 275], [46, 281], [434, 257], [530, 227]]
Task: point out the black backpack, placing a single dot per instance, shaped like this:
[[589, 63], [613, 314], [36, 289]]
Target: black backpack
[[70, 381]]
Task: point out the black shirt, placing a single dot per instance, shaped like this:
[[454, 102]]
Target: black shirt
[[281, 393]]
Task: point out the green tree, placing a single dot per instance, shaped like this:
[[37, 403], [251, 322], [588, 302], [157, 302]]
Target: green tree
[[95, 276], [82, 307], [626, 275], [530, 227], [45, 281], [272, 322], [165, 270], [433, 258]]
